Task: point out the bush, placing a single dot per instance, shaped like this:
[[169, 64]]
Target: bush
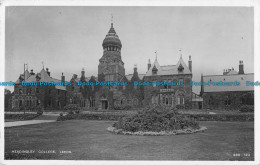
[[39, 112], [180, 106], [156, 118], [247, 108], [122, 107], [72, 107]]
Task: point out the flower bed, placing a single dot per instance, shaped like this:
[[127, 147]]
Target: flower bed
[[156, 120], [161, 133]]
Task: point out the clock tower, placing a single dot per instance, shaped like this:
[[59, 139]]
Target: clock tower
[[111, 64]]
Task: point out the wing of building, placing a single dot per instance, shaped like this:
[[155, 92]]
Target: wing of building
[[228, 97]]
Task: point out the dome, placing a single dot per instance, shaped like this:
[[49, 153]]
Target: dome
[[112, 38]]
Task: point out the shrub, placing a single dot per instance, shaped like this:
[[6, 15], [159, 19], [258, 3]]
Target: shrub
[[156, 118], [180, 106], [72, 107], [247, 108]]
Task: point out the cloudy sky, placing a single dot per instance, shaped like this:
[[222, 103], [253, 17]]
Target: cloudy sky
[[68, 39]]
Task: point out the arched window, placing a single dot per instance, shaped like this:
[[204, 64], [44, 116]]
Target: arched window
[[180, 99]]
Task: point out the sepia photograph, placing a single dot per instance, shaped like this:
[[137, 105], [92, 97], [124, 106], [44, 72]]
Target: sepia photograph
[[129, 82]]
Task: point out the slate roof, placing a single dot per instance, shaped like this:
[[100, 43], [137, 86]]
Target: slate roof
[[43, 77], [242, 78], [169, 69], [129, 76]]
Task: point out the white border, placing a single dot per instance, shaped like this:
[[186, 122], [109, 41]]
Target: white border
[[242, 3]]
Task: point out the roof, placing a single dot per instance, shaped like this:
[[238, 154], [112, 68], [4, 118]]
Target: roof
[[129, 76], [242, 78], [43, 75], [169, 69]]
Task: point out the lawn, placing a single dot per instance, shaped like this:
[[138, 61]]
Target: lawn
[[89, 140]]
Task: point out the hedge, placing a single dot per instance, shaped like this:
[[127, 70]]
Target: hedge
[[198, 117], [222, 117], [21, 116]]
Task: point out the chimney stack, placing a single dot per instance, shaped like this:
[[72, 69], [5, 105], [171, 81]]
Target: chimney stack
[[49, 73], [75, 76], [83, 73], [32, 72], [241, 67], [62, 77], [135, 68], [149, 64], [190, 64]]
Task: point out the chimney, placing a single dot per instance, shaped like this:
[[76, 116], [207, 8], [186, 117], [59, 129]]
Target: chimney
[[149, 64], [75, 76], [135, 68], [49, 73], [31, 73], [241, 67], [62, 77], [83, 73], [190, 64]]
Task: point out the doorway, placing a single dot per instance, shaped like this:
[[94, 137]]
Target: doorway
[[104, 104]]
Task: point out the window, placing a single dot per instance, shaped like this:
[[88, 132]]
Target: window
[[180, 99], [20, 91], [181, 81]]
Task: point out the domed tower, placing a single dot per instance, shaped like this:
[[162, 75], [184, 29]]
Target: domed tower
[[111, 64]]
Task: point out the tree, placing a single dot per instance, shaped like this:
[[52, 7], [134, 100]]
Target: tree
[[8, 96]]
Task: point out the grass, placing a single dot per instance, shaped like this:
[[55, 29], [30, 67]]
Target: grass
[[89, 140]]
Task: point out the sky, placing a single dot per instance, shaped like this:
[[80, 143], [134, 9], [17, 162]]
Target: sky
[[68, 39]]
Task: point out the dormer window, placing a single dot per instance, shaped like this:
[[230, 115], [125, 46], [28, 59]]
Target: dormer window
[[154, 70], [180, 68]]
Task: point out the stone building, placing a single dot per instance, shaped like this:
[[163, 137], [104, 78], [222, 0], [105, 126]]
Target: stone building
[[228, 97], [179, 95], [110, 69], [36, 96]]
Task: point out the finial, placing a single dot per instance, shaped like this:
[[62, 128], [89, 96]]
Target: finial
[[190, 57], [111, 19], [180, 53], [135, 66], [42, 65], [26, 66], [62, 73], [149, 61], [83, 69], [155, 55]]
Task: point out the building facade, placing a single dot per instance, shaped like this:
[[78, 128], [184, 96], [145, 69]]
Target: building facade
[[228, 97], [110, 69], [32, 97]]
